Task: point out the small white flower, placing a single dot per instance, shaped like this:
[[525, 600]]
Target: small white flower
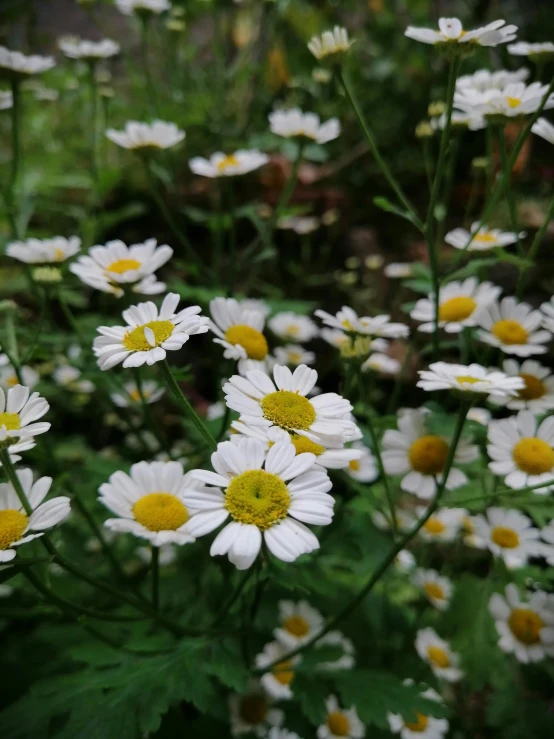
[[381, 363], [547, 548], [451, 32], [44, 251], [513, 327], [290, 326], [150, 390], [253, 712], [335, 337], [514, 100], [537, 394], [68, 377], [293, 355], [167, 553], [479, 415], [482, 238], [525, 625], [508, 534], [544, 129], [299, 224], [347, 319], [471, 378], [111, 267], [19, 413], [9, 378], [405, 561], [522, 451], [421, 457], [347, 659], [471, 120], [145, 136], [547, 310], [228, 165], [239, 329], [76, 48], [484, 79], [295, 123], [148, 333], [399, 270], [330, 43], [364, 468], [276, 733], [544, 49], [459, 303], [277, 682], [438, 655], [444, 526], [215, 411], [150, 502], [341, 723], [437, 589], [424, 727], [15, 525], [154, 7], [6, 99], [19, 65], [298, 623]]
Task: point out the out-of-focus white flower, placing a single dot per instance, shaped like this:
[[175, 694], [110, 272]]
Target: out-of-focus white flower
[[347, 319], [537, 394], [451, 32], [347, 659], [479, 415], [364, 468], [330, 43], [6, 99], [437, 589], [484, 79], [277, 682], [149, 389], [143, 136], [239, 330], [294, 123], [544, 129], [229, 165], [76, 48], [404, 561], [68, 377], [472, 121], [301, 225], [399, 270], [298, 623], [9, 378], [381, 363], [293, 355], [516, 99], [481, 238], [469, 379], [215, 411], [341, 723], [443, 526], [508, 534], [253, 712], [44, 251], [541, 50], [290, 326], [16, 64], [167, 554], [424, 727], [512, 327], [142, 7], [438, 655]]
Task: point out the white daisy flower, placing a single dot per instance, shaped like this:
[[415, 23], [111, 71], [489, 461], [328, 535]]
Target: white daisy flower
[[404, 561], [277, 682], [330, 43], [444, 526], [145, 136], [451, 32], [522, 451], [76, 48], [239, 330], [347, 659], [265, 494], [473, 121], [6, 99], [438, 655], [512, 327], [111, 267], [228, 165], [68, 377], [514, 100], [335, 337], [290, 326], [293, 122], [381, 363], [15, 525], [148, 333], [19, 413], [151, 502], [458, 305], [541, 50], [508, 534], [437, 589], [215, 411], [537, 394], [471, 378], [299, 224], [421, 457], [399, 270], [341, 723], [142, 7], [482, 238], [424, 727], [544, 129], [547, 310], [298, 623], [257, 305], [253, 712], [404, 519], [151, 392], [44, 251], [18, 65], [283, 403], [479, 415], [364, 468], [293, 355], [485, 79], [525, 625], [347, 319], [9, 378]]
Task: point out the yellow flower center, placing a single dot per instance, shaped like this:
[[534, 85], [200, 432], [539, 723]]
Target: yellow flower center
[[135, 340], [296, 625], [253, 709], [12, 381], [12, 526], [135, 395], [534, 388], [228, 161], [294, 357], [282, 672], [59, 255], [10, 421], [257, 497], [438, 656], [484, 237], [467, 378], [513, 102], [457, 309], [354, 465], [420, 724], [120, 266], [434, 590], [510, 332], [292, 330], [533, 456], [345, 323], [302, 445], [525, 625], [288, 410], [505, 537], [434, 526], [428, 455], [338, 724], [160, 512], [467, 525], [252, 341]]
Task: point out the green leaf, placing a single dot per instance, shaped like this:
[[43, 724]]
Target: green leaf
[[389, 207], [227, 664], [311, 693]]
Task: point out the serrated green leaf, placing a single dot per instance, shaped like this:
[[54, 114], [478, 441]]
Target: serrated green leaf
[[227, 664]]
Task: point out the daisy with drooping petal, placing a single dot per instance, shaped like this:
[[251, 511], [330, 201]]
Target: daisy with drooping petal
[[522, 451], [290, 326], [149, 502], [253, 712], [15, 525], [76, 48], [19, 413], [111, 267], [544, 129], [341, 723], [508, 534], [149, 333], [424, 727], [146, 136], [513, 327], [537, 394], [481, 238], [444, 526], [229, 165], [537, 51], [458, 304], [451, 31], [437, 589], [16, 65], [347, 659], [277, 682], [142, 7], [9, 378], [348, 320], [283, 403], [381, 363], [525, 625], [438, 655], [421, 457], [68, 376], [149, 390], [293, 355], [330, 43], [471, 379], [267, 495], [294, 123], [239, 330], [364, 468], [298, 623], [44, 251]]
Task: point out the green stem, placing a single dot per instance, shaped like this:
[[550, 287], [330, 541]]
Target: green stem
[[230, 602], [17, 159], [186, 407], [70, 318], [145, 53], [383, 474], [38, 331], [155, 568], [535, 247], [509, 192], [490, 149]]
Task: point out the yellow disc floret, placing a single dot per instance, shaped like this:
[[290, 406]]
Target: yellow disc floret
[[228, 161], [434, 590], [428, 454], [338, 724], [533, 456], [420, 724], [438, 656], [252, 341], [513, 102], [160, 512], [120, 266], [283, 673], [296, 625], [485, 237], [505, 537], [434, 526], [534, 388], [257, 497], [457, 309], [525, 625], [509, 332], [467, 379], [12, 526], [136, 341], [288, 410], [302, 445], [354, 465], [10, 421]]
